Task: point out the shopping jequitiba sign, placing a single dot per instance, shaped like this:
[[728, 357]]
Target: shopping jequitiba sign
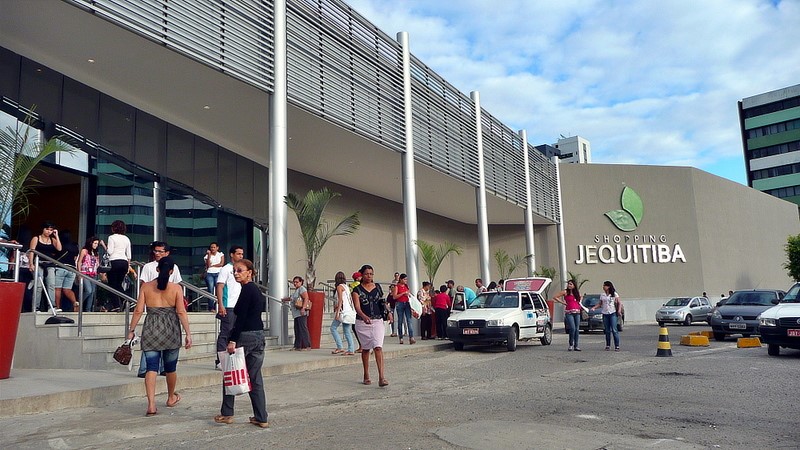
[[628, 246]]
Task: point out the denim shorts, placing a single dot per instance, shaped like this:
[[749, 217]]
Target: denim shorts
[[64, 278], [168, 357]]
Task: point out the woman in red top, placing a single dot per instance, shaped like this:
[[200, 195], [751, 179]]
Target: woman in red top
[[441, 304], [401, 295], [571, 299]]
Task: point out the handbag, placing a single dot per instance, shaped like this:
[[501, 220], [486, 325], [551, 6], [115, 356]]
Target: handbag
[[299, 303], [235, 377], [105, 264], [123, 353]]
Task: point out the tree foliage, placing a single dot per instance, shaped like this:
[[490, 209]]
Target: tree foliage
[[547, 272], [315, 230], [792, 264], [434, 255], [579, 281], [506, 264]]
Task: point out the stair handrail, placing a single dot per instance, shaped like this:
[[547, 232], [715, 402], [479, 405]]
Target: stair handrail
[[197, 290], [16, 247], [38, 256], [284, 312]]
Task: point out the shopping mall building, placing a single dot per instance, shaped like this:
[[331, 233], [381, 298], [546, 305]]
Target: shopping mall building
[[191, 122]]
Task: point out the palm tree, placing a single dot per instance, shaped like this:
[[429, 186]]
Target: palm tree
[[433, 255], [20, 152], [314, 229], [506, 265], [547, 272], [578, 280]]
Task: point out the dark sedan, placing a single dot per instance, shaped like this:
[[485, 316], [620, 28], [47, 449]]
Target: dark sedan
[[739, 315], [593, 320]]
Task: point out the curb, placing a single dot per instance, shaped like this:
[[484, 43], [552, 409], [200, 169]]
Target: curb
[[121, 385]]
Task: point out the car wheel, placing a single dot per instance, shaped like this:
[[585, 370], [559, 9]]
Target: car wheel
[[688, 320], [620, 323], [773, 350], [547, 339], [511, 343], [719, 336], [458, 346]]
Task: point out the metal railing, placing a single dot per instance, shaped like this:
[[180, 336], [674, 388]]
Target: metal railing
[[280, 306], [38, 277], [5, 247]]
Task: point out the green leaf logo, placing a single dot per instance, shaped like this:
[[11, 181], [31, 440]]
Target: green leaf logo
[[630, 216]]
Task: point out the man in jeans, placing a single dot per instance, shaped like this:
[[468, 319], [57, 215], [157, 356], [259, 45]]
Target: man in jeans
[[227, 291]]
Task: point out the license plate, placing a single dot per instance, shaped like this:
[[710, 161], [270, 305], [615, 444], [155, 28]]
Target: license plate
[[793, 333], [469, 331], [737, 326]]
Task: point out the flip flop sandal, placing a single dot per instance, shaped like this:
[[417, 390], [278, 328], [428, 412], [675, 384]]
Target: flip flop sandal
[[383, 382], [151, 414], [337, 351], [177, 399], [259, 424], [223, 419], [367, 382]]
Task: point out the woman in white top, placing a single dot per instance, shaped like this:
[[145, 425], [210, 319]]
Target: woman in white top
[[214, 261], [119, 253], [611, 306], [343, 313]]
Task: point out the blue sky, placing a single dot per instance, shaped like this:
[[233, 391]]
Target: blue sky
[[646, 82]]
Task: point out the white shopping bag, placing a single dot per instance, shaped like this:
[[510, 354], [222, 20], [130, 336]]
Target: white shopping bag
[[234, 372]]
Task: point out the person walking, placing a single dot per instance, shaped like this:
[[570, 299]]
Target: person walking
[[65, 278], [214, 261], [119, 253], [161, 334], [393, 303], [611, 306], [370, 307], [300, 305], [87, 263], [227, 291], [342, 314], [571, 299], [248, 332], [401, 295]]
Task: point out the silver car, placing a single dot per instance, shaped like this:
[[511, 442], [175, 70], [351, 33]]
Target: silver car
[[684, 310]]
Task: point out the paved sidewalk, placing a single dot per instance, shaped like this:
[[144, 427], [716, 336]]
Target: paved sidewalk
[[31, 391]]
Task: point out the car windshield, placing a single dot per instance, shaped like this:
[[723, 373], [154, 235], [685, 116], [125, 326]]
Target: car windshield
[[751, 298], [793, 296], [678, 301], [590, 300], [496, 300]]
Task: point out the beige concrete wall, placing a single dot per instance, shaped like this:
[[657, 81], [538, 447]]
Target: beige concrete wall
[[682, 206]]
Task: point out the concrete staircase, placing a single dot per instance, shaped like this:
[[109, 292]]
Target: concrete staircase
[[58, 346]]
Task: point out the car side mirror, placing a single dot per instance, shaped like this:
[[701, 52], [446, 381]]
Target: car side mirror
[[775, 301], [719, 304]]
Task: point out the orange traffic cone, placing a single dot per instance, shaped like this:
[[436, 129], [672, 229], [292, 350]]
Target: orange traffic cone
[[664, 348]]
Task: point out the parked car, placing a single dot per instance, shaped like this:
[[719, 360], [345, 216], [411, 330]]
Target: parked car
[[684, 310], [717, 305], [593, 320], [739, 315], [779, 326], [506, 317]]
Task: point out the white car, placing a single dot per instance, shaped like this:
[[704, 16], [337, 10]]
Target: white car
[[684, 310], [779, 326], [504, 317]]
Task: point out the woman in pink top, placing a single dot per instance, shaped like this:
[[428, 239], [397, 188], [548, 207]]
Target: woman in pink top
[[571, 299]]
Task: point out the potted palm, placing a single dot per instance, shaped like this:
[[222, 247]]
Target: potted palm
[[316, 231], [434, 255], [21, 151]]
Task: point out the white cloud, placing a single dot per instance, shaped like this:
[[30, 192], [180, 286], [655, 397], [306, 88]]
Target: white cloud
[[647, 82]]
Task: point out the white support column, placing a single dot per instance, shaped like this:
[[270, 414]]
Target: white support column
[[409, 174], [529, 244], [562, 245], [480, 192], [278, 168]]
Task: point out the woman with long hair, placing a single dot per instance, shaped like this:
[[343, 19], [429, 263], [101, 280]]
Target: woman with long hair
[[161, 334], [300, 305], [248, 332], [343, 314], [87, 263], [611, 307], [46, 243], [119, 253], [571, 299]]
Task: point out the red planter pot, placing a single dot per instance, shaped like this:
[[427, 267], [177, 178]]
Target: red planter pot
[[315, 317], [11, 295]]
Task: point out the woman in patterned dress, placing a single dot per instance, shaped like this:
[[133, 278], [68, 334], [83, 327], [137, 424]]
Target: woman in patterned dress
[[161, 334]]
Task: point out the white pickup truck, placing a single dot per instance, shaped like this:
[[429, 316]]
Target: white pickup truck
[[518, 312]]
